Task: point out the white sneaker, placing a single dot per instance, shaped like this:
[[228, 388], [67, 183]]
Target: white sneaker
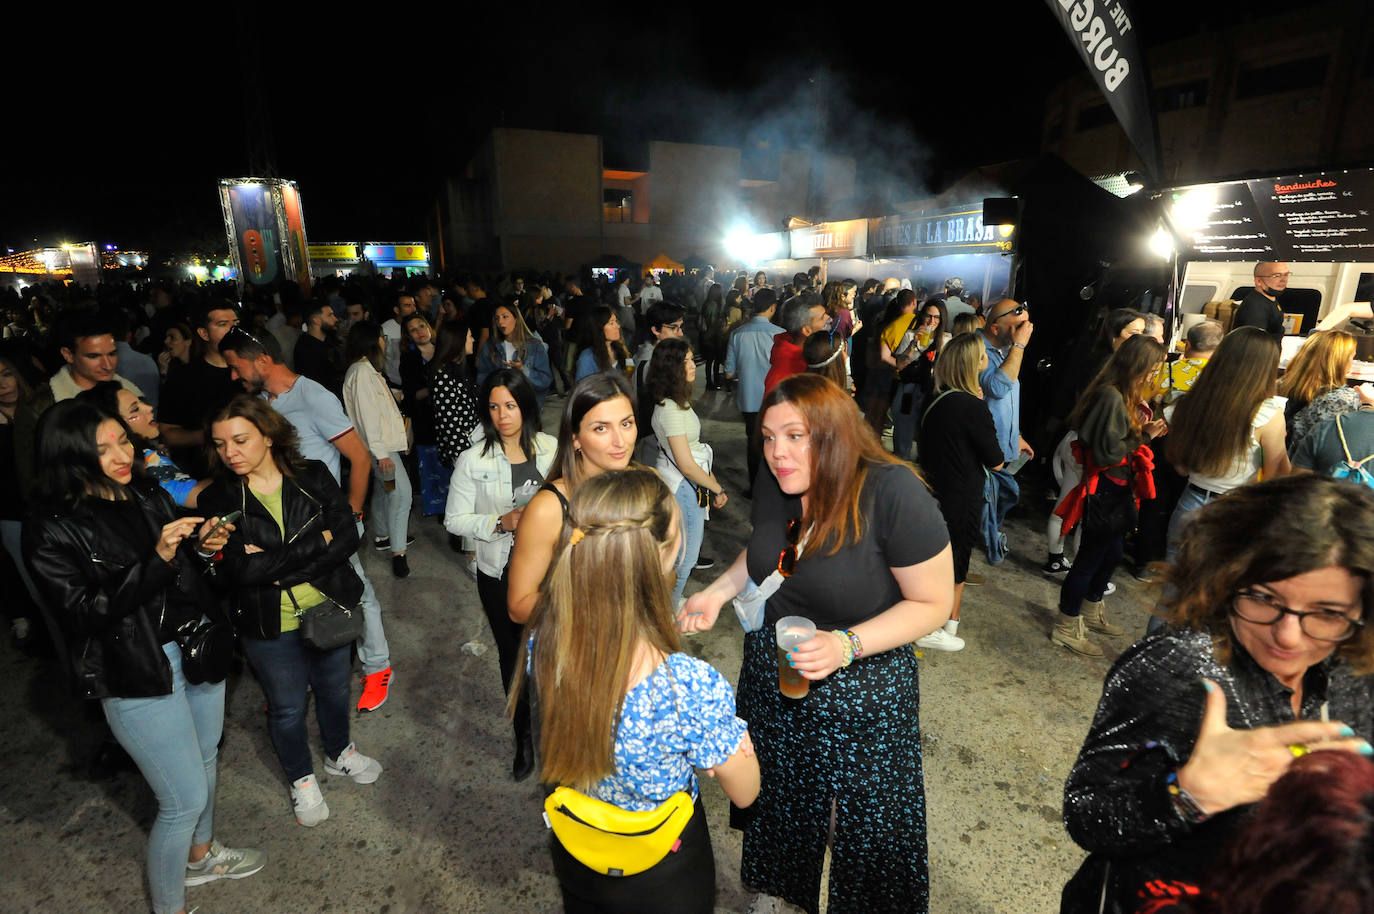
[[354, 764], [309, 803], [941, 640]]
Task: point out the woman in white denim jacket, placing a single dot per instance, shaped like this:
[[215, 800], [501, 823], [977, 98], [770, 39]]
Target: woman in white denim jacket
[[371, 406], [492, 482]]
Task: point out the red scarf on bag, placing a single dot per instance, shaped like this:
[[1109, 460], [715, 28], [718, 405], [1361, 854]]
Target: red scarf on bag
[[1141, 462]]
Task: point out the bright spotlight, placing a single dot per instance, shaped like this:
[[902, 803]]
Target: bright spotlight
[[1162, 244]]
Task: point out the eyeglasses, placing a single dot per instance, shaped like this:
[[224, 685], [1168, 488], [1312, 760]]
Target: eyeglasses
[[1320, 625], [1019, 309], [1275, 275], [787, 558]]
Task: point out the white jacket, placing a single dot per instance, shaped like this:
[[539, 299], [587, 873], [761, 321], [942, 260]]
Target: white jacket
[[480, 492], [369, 403]]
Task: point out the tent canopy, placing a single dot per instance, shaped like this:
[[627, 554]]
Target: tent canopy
[[664, 262]]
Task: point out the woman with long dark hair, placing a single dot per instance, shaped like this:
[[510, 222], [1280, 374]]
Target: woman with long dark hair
[[289, 553], [114, 399], [455, 394], [626, 716], [1230, 428], [602, 350], [596, 434], [1112, 425], [848, 536], [684, 460], [492, 482], [122, 574]]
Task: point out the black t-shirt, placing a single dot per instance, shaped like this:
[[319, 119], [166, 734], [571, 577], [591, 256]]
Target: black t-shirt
[[199, 390], [958, 440], [319, 361], [1258, 311], [902, 526]]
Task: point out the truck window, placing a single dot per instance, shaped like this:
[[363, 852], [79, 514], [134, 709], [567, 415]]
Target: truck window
[[1307, 302]]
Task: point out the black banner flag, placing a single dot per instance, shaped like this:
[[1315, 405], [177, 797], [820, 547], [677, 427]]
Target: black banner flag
[[1105, 38]]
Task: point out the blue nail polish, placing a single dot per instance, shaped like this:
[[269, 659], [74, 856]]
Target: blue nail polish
[[1208, 685], [1366, 749], [791, 664], [1347, 732]]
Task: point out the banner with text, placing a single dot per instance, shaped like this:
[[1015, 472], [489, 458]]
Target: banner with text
[[1106, 40]]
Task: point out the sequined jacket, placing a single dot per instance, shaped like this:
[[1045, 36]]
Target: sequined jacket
[[1116, 803]]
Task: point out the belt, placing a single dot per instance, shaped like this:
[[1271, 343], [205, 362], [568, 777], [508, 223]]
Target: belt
[[1201, 491]]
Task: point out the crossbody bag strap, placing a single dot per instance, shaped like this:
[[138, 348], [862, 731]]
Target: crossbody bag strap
[[943, 394]]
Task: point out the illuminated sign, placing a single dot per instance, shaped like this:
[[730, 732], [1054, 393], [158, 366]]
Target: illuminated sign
[[831, 239], [333, 251], [954, 231], [396, 252]]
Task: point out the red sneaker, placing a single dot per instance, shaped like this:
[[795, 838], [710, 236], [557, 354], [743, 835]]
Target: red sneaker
[[375, 687]]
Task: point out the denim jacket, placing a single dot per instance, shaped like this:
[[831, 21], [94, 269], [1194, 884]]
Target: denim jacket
[[480, 492]]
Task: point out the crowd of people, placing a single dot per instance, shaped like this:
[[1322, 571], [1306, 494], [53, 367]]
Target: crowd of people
[[190, 474]]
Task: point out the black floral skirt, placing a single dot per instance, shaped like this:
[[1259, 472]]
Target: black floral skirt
[[852, 745]]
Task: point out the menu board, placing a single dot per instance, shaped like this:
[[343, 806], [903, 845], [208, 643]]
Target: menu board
[[1318, 216], [1326, 216]]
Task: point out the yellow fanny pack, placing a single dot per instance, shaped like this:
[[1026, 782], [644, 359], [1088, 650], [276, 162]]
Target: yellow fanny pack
[[611, 840]]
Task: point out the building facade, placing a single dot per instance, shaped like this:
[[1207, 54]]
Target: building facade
[[538, 199]]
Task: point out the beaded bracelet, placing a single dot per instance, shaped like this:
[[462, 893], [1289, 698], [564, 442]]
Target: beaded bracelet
[[854, 642], [1184, 804], [846, 649]]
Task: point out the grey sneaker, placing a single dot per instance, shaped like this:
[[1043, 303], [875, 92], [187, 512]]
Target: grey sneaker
[[225, 863], [352, 763], [308, 802]]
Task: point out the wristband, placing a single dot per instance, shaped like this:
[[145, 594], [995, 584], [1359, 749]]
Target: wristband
[[846, 649], [854, 642], [1018, 345], [1187, 808], [358, 516]]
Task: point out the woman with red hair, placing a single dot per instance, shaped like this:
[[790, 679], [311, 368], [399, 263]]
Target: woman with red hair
[[848, 536]]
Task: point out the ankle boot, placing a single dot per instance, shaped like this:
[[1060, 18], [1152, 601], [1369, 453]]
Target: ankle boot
[[1095, 618], [1071, 632]]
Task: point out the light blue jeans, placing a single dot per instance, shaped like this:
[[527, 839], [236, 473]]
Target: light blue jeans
[[373, 651], [693, 531], [174, 741], [391, 510]]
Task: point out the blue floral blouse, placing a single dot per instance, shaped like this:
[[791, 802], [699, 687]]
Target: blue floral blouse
[[680, 717]]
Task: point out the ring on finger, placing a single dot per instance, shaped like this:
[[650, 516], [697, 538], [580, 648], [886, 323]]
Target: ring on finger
[[1298, 749]]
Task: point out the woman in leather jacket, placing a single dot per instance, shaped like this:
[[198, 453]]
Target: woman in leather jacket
[[289, 552], [1271, 595], [118, 565]]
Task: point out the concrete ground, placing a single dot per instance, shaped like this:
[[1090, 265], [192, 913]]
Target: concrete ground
[[445, 829]]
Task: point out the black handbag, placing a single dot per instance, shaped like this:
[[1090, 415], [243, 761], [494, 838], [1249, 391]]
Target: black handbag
[[207, 651], [328, 625]]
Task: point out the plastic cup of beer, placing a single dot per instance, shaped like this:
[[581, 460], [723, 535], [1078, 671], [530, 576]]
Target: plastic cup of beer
[[792, 631], [388, 479]]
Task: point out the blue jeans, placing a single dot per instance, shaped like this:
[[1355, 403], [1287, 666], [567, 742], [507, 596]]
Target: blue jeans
[[1189, 502], [174, 740], [693, 531], [373, 651], [391, 510], [284, 667]]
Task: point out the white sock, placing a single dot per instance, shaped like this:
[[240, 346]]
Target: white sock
[[952, 626]]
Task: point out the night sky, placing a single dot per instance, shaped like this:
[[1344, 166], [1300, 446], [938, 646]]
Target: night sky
[[118, 133]]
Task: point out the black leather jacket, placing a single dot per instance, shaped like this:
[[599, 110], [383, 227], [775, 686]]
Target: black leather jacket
[[311, 503], [108, 596], [1116, 801]]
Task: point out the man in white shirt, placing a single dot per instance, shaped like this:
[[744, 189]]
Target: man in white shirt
[[649, 294], [404, 308]]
